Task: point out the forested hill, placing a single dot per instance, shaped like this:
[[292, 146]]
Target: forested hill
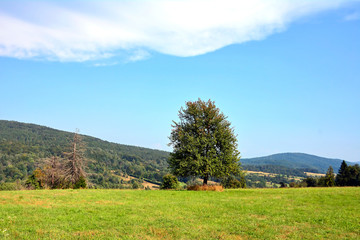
[[295, 160], [24, 146]]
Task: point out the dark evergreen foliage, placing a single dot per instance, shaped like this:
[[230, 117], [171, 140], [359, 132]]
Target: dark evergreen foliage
[[341, 178], [311, 182], [80, 183], [348, 175]]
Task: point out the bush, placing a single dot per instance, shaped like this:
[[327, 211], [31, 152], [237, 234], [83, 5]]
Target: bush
[[169, 182], [231, 182], [7, 186], [182, 185], [193, 182], [310, 182], [298, 184], [81, 183], [33, 182], [136, 185]]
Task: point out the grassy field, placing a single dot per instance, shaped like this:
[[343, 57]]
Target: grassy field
[[307, 213]]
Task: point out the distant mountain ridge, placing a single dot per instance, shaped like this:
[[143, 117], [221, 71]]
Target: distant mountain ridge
[[297, 161]]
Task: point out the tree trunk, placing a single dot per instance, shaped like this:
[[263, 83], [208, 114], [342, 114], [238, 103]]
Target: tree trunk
[[205, 180]]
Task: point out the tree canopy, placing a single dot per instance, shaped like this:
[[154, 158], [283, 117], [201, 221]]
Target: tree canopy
[[203, 143]]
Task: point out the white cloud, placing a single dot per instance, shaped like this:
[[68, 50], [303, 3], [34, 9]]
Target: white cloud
[[82, 31], [138, 55], [105, 64]]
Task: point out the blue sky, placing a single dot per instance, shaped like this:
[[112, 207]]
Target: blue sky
[[286, 73]]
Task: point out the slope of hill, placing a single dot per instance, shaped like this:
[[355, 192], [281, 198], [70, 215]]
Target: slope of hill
[[23, 147], [295, 160]]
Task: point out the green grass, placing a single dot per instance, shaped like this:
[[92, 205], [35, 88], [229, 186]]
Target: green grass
[[307, 213]]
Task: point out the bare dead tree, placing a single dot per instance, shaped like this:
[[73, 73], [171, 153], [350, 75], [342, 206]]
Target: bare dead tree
[[54, 172], [74, 165]]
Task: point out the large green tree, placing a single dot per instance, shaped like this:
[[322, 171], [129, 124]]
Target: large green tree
[[203, 143]]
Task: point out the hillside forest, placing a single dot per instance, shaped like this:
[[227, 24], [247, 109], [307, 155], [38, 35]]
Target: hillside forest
[[27, 148]]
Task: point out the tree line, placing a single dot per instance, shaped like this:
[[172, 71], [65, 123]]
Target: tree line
[[347, 176]]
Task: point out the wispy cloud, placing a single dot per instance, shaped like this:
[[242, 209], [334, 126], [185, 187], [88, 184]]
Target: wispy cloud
[[352, 17], [138, 55], [105, 64], [90, 30]]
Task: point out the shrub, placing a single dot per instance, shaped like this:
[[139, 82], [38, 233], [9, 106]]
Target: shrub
[[35, 180], [81, 183], [193, 181], [182, 185], [136, 185], [298, 184], [169, 182], [231, 182], [7, 186], [311, 181]]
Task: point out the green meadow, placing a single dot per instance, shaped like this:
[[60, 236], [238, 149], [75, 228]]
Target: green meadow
[[303, 213]]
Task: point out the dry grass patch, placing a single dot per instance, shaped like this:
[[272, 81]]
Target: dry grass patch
[[216, 188], [25, 201], [260, 173], [152, 186], [286, 231], [127, 178], [314, 174], [160, 233]]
